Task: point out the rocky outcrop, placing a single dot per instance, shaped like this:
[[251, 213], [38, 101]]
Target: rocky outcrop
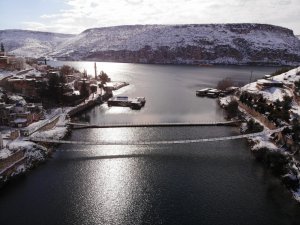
[[186, 44]]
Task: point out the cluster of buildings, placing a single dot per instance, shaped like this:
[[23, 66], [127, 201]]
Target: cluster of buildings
[[6, 60], [20, 114], [10, 62], [27, 83]]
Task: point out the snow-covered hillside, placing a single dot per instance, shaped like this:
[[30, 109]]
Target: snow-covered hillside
[[31, 43], [191, 44]]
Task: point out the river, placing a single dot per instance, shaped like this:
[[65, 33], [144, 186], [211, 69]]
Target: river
[[203, 183]]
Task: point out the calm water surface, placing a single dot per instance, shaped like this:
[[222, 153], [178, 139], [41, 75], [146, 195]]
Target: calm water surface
[[204, 183]]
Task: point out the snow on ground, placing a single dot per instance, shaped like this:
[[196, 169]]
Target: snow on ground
[[289, 76], [224, 101], [296, 109], [296, 195], [31, 149], [30, 72], [58, 132], [55, 133], [17, 98], [50, 116], [271, 94], [62, 121], [20, 169], [136, 37], [4, 153], [19, 144], [4, 74], [275, 93], [263, 142]]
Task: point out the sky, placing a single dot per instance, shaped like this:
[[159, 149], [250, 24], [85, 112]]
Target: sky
[[74, 16]]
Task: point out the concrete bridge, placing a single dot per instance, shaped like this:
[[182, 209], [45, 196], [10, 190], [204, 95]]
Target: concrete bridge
[[173, 124], [137, 142]]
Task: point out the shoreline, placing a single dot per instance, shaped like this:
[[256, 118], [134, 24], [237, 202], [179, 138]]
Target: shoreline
[[281, 164], [184, 64], [34, 154]]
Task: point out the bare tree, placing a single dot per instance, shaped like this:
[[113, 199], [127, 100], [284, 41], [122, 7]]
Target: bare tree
[[225, 83]]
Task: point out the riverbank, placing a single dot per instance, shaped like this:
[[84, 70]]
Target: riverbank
[[277, 152], [273, 157], [20, 156]]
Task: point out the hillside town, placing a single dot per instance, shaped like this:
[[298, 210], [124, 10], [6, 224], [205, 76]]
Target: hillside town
[[37, 100]]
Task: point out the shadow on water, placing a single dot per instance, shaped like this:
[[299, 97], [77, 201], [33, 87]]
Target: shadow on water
[[128, 156]]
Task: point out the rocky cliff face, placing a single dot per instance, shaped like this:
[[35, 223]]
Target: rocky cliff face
[[187, 44]]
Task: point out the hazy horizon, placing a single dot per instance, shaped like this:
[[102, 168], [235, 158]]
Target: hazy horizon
[[137, 25]]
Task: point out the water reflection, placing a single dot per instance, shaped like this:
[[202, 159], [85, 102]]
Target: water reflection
[[115, 110], [202, 183], [114, 69], [169, 91], [117, 134], [117, 185]]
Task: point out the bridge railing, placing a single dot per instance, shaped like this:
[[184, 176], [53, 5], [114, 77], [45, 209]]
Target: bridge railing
[[154, 142], [148, 124]]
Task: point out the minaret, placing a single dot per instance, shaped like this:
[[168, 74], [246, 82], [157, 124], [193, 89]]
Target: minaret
[[95, 66]]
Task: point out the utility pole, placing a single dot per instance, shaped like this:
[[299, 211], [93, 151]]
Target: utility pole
[[1, 141], [251, 76]]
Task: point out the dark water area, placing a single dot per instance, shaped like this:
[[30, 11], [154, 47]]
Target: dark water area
[[200, 183]]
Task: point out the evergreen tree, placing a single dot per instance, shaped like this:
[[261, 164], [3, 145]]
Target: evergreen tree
[[287, 102], [2, 47], [296, 129], [84, 92], [54, 91], [104, 77], [232, 109]]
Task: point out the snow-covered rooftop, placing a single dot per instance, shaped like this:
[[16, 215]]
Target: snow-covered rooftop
[[274, 93]]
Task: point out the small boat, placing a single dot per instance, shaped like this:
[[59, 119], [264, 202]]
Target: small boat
[[203, 92], [209, 92]]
